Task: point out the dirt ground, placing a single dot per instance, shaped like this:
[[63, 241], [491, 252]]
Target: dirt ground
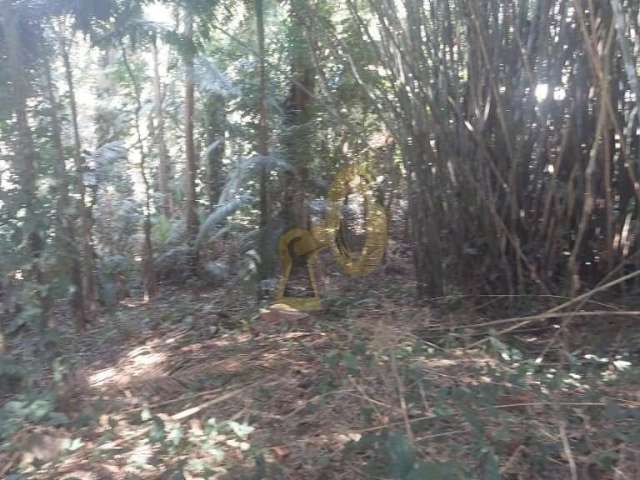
[[198, 384]]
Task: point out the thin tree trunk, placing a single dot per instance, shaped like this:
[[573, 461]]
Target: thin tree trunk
[[164, 167], [266, 257], [191, 214], [148, 271], [88, 253], [64, 219], [215, 147]]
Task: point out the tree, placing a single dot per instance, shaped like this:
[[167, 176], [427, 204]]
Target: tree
[[86, 235], [149, 278], [164, 167], [215, 140], [298, 119], [64, 218], [266, 264], [25, 158], [190, 206]]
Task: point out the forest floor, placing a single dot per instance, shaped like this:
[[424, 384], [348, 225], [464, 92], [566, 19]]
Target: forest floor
[[197, 384]]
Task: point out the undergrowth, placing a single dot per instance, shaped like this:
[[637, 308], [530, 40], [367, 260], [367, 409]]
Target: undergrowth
[[371, 388]]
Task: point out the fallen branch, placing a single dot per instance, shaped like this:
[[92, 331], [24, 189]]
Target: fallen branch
[[453, 414], [547, 315], [234, 393], [433, 417], [554, 312], [515, 456], [402, 396], [567, 451], [164, 403]]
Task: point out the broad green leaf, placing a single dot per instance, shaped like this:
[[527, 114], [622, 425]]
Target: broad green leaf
[[242, 430]]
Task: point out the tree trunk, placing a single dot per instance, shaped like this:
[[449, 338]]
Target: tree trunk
[[297, 141], [191, 213], [164, 167], [86, 239], [64, 220], [423, 222], [25, 160], [266, 257], [148, 272], [216, 120]]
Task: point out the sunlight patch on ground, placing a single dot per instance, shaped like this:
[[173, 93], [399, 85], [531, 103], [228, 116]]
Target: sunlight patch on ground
[[102, 376], [457, 359], [139, 362], [145, 357]]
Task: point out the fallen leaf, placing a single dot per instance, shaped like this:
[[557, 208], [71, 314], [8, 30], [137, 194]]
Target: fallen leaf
[[281, 452]]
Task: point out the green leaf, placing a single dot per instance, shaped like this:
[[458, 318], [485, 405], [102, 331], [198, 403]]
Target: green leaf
[[359, 348], [175, 436], [145, 415], [39, 409], [216, 453], [491, 469], [350, 362], [74, 444], [157, 433], [196, 465], [58, 419], [242, 430], [607, 459], [401, 455]]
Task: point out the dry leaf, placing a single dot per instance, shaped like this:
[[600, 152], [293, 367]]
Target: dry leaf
[[281, 452]]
